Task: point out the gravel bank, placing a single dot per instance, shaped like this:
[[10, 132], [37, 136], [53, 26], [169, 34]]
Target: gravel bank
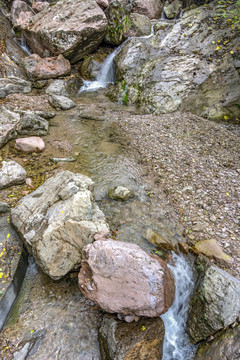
[[196, 164]]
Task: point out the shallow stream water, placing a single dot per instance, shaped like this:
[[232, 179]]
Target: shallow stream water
[[53, 320]]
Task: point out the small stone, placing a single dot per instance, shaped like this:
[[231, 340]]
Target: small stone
[[213, 218], [11, 173], [4, 207], [120, 193], [211, 248]]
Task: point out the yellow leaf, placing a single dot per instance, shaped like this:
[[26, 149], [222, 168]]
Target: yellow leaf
[[8, 236], [218, 47], [219, 41], [1, 275], [227, 194], [213, 42], [231, 52], [226, 117]]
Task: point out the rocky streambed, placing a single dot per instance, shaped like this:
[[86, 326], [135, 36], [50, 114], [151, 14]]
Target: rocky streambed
[[144, 206]]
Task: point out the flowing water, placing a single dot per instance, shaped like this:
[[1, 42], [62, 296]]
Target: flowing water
[[176, 343]]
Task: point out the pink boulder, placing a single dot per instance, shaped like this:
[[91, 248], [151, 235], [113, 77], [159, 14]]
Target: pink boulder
[[151, 8], [122, 278], [40, 6], [30, 144], [38, 68], [103, 4], [21, 12]]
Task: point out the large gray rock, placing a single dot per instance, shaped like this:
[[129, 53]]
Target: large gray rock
[[122, 278], [13, 85], [151, 8], [139, 340], [9, 122], [61, 102], [183, 68], [11, 173], [57, 220], [215, 304], [32, 124], [225, 346], [72, 28]]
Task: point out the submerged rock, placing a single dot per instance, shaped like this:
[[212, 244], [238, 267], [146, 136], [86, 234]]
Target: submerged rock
[[215, 304], [224, 346], [13, 85], [57, 220], [120, 193], [47, 68], [30, 144], [140, 340], [154, 238], [72, 28], [11, 173], [122, 278]]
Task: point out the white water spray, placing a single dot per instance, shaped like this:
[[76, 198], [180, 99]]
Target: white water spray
[[22, 44], [176, 344]]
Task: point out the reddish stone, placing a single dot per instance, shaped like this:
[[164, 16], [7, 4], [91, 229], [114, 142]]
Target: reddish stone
[[122, 278], [38, 68]]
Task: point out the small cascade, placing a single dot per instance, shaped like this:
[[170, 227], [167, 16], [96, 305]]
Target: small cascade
[[105, 75], [163, 16], [176, 344], [22, 44]]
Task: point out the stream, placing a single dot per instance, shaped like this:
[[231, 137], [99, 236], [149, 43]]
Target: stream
[[52, 320]]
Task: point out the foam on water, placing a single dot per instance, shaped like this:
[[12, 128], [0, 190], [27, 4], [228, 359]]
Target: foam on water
[[176, 344]]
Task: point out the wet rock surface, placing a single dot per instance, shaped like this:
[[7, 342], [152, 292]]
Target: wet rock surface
[[215, 305], [57, 220], [150, 8], [136, 341], [122, 278], [120, 193], [223, 346], [11, 173]]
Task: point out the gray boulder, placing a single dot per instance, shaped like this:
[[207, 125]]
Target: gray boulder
[[4, 207], [215, 304], [182, 68], [11, 173], [58, 87], [32, 124], [61, 102], [57, 220], [139, 340], [72, 28], [13, 85], [9, 122]]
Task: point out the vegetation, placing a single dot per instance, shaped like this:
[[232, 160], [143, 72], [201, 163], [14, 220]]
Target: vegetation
[[229, 10]]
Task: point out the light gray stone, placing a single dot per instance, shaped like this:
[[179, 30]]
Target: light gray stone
[[215, 304], [172, 9], [11, 173], [12, 85], [58, 87], [4, 207], [57, 220], [61, 102], [9, 122]]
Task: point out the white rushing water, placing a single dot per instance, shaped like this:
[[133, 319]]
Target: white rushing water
[[176, 344], [105, 75], [22, 44]]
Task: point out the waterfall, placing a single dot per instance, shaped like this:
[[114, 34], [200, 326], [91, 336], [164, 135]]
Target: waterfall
[[22, 44], [105, 75], [176, 344]]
